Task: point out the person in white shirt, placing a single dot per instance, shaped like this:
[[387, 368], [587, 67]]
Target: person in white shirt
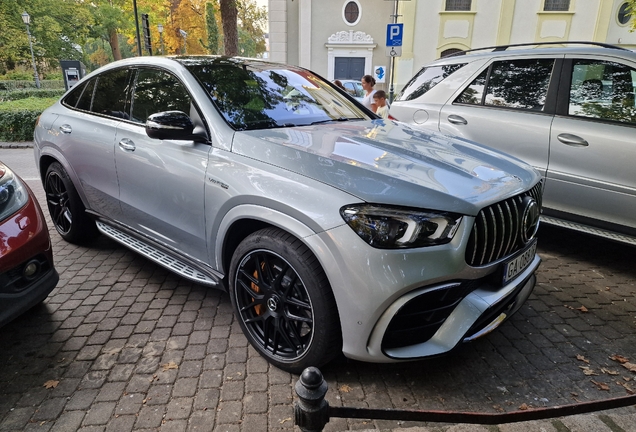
[[380, 101], [367, 84]]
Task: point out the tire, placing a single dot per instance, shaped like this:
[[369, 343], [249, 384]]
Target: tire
[[66, 208], [283, 301]]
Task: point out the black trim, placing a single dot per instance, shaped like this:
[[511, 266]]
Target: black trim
[[551, 98], [498, 48], [563, 100]]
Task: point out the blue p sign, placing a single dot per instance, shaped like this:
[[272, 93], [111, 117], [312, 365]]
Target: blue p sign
[[394, 34]]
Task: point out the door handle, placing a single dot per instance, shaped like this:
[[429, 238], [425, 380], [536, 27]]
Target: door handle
[[127, 144], [66, 129], [572, 140], [455, 119]]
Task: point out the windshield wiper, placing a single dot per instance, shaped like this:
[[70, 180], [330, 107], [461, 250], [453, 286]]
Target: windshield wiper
[[339, 119]]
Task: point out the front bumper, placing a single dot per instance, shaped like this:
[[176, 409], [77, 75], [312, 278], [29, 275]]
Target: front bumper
[[372, 285]]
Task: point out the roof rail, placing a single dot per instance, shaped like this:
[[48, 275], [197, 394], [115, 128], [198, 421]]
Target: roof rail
[[533, 44]]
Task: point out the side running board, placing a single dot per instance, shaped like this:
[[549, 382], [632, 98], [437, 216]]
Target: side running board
[[623, 238], [158, 256]]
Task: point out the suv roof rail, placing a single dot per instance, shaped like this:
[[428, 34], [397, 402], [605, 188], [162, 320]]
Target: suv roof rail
[[505, 47]]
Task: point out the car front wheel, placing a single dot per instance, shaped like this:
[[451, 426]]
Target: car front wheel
[[65, 206], [283, 301]]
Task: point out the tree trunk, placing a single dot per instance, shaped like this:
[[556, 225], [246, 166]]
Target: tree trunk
[[230, 31], [113, 40]]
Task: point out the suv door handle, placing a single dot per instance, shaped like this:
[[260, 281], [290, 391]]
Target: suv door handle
[[572, 140], [455, 119], [127, 144], [66, 129]]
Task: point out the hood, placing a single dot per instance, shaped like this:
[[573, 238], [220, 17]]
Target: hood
[[386, 162]]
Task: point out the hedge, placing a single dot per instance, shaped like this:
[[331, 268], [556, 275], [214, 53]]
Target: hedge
[[31, 92], [44, 84], [17, 118]]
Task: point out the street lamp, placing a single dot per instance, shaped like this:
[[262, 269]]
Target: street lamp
[[26, 18], [184, 34], [160, 30]]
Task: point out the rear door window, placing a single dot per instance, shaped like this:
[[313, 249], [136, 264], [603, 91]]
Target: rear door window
[[603, 90], [518, 84], [426, 79], [110, 94]]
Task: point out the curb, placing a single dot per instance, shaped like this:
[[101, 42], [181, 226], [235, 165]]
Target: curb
[[19, 145]]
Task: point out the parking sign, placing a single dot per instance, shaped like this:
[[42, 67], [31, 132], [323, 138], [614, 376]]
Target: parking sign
[[394, 34]]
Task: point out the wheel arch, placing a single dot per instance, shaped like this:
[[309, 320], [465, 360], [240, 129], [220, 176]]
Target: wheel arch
[[49, 156], [243, 220]]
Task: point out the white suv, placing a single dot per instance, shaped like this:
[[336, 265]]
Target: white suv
[[569, 112]]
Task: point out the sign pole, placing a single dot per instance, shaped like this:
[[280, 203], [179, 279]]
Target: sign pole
[[391, 88]]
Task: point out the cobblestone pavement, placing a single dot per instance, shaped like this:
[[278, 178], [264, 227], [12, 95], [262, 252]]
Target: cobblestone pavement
[[126, 345]]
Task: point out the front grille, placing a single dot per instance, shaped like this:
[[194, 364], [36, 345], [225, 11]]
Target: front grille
[[420, 318], [497, 229]]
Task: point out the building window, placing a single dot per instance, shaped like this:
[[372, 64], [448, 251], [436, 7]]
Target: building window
[[458, 5], [556, 5], [624, 14], [351, 12]]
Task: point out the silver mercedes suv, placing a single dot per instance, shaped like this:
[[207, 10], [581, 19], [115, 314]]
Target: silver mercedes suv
[[332, 230], [570, 112]]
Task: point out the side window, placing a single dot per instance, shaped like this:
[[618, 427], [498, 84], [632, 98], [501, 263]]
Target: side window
[[521, 84], [603, 90], [84, 102], [474, 93], [157, 91], [110, 94], [518, 84], [426, 79], [74, 95]]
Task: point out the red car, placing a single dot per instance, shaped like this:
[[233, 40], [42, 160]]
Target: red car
[[27, 274]]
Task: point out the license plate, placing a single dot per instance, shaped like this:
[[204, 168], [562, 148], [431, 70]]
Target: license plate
[[518, 264]]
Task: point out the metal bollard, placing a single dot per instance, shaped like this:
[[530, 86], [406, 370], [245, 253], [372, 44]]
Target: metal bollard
[[311, 412]]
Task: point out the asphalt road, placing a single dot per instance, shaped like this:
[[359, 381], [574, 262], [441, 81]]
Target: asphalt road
[[134, 347]]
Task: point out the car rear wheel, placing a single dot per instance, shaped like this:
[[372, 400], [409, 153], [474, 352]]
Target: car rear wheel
[[66, 208], [283, 301]]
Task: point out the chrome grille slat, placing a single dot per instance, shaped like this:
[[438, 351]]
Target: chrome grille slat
[[496, 231], [493, 226]]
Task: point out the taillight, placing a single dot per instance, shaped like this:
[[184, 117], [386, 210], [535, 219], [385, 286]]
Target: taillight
[[392, 118]]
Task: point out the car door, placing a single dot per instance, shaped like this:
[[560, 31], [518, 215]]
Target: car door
[[161, 182], [590, 175], [509, 107], [87, 137]]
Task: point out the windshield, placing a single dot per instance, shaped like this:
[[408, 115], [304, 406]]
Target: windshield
[[262, 96]]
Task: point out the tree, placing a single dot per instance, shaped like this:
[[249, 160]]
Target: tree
[[58, 28], [212, 28], [110, 19], [229, 14], [251, 33]]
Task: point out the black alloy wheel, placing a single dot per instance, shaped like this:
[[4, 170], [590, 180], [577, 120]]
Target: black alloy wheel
[[284, 304], [65, 206]]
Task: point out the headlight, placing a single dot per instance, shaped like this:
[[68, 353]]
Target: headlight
[[13, 194], [397, 228]]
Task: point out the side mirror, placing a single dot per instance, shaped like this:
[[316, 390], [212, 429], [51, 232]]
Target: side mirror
[[171, 125]]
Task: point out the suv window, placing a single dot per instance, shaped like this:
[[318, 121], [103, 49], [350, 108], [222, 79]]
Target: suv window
[[426, 79], [110, 94], [74, 95], [85, 99], [519, 84], [157, 91], [603, 90]]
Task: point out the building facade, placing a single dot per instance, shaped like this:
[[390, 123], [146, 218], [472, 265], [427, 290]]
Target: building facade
[[347, 38]]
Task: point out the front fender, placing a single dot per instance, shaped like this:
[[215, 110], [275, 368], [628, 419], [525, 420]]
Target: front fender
[[260, 213]]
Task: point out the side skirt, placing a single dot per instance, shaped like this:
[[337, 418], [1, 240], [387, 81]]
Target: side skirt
[[160, 256], [610, 235]]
